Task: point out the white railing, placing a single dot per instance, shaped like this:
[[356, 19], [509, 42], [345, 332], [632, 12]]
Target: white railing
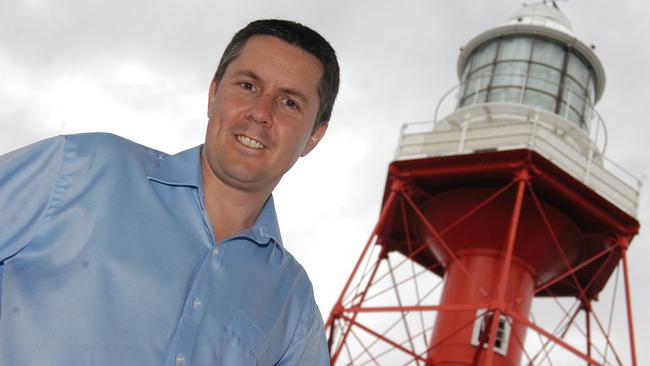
[[507, 126]]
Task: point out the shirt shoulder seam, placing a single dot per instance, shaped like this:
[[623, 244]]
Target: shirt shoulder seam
[[61, 183]]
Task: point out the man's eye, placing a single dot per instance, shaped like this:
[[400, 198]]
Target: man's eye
[[247, 85], [290, 103]]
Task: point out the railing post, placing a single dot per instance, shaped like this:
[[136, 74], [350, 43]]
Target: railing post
[[461, 144], [590, 159], [533, 132]]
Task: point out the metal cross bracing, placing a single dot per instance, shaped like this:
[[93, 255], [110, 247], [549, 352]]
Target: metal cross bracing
[[395, 309]]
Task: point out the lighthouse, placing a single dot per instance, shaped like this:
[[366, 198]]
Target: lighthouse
[[503, 221]]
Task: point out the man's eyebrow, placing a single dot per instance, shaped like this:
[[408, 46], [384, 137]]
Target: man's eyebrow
[[247, 73]]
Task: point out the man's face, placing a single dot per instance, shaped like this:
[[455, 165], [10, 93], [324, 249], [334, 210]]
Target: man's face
[[261, 114]]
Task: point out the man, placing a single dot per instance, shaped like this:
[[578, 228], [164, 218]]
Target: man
[[115, 254]]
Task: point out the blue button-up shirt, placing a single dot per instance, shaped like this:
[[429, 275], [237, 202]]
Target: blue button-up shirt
[[107, 258]]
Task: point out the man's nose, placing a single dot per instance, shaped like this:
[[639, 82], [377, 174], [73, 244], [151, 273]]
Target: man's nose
[[261, 110]]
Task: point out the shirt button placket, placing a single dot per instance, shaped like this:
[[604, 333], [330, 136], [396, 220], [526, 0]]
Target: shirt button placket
[[191, 317]]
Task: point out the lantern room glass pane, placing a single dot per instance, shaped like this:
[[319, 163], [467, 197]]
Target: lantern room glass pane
[[575, 97], [574, 94], [591, 90], [474, 90], [571, 114], [577, 70], [544, 78], [506, 95], [515, 48], [539, 99], [587, 115], [510, 74], [548, 53], [478, 80], [484, 55], [474, 98]]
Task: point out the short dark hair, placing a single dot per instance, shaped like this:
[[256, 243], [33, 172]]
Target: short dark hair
[[297, 35]]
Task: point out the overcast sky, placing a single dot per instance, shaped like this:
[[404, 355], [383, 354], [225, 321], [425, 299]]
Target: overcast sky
[[141, 69]]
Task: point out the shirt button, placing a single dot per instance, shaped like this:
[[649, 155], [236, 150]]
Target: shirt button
[[196, 303], [215, 251], [180, 359]]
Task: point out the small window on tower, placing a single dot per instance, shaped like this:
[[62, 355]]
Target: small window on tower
[[481, 334]]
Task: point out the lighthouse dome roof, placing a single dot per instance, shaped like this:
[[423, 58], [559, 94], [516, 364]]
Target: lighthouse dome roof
[[541, 14]]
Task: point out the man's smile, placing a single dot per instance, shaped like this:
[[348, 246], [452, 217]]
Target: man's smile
[[249, 142]]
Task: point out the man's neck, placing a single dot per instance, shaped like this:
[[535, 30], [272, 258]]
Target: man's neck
[[230, 210]]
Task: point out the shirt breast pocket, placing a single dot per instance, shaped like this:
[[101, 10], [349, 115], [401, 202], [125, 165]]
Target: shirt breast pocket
[[244, 343]]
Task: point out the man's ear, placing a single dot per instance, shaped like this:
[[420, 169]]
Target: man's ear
[[315, 137], [211, 92]]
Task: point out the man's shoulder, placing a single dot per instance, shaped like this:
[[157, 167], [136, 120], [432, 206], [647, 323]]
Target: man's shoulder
[[111, 156], [103, 143], [292, 264], [81, 151], [301, 279]]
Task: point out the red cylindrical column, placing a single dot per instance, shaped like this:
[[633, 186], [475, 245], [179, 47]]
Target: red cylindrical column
[[471, 247], [457, 334]]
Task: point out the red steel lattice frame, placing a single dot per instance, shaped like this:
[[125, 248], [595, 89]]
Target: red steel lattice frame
[[531, 176]]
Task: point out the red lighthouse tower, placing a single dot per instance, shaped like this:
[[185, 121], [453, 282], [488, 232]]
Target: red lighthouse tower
[[503, 223]]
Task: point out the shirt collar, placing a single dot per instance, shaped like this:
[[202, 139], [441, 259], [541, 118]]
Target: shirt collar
[[266, 228], [184, 169]]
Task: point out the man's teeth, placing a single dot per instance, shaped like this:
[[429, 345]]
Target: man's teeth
[[249, 142]]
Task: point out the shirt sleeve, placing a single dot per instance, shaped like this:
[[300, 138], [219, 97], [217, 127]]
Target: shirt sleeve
[[28, 177], [309, 346]]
